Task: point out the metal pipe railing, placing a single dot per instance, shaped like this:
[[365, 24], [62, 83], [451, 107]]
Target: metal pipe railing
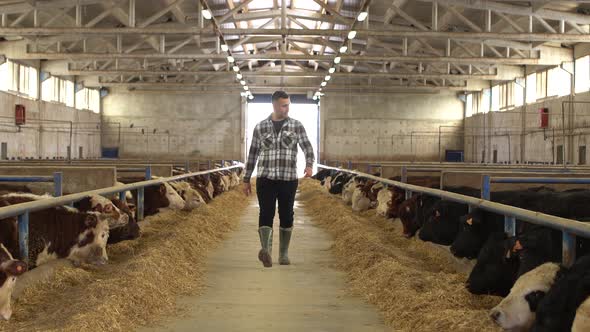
[[23, 210], [567, 226]]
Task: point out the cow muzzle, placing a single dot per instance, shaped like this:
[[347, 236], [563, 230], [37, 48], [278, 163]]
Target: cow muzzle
[[6, 313]]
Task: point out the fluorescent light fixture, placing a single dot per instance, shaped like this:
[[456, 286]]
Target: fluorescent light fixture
[[337, 60], [331, 70], [343, 49], [239, 76], [206, 14], [362, 16], [242, 82], [225, 47], [230, 59], [327, 78], [351, 34], [246, 87], [324, 83], [236, 68]]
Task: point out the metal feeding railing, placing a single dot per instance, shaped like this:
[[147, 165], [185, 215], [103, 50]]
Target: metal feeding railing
[[22, 210], [569, 227]]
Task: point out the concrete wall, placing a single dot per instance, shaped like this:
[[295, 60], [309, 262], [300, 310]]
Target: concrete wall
[[47, 130], [187, 125], [516, 134], [390, 127]]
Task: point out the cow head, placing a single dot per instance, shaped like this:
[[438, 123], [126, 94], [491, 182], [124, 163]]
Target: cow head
[[517, 310], [407, 215], [10, 269], [469, 240], [96, 203], [91, 245]]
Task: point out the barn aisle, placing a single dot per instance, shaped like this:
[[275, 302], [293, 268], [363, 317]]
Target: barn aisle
[[242, 295]]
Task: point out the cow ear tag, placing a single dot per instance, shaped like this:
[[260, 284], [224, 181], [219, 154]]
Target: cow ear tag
[[437, 213], [407, 209], [469, 221]]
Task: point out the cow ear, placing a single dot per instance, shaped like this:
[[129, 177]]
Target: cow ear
[[533, 299], [97, 208], [14, 267], [89, 238], [437, 213], [407, 208]]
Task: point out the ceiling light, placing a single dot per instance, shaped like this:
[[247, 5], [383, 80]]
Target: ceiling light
[[272, 64], [246, 87], [351, 34], [206, 14], [337, 60], [331, 70], [230, 59], [250, 97], [315, 97], [343, 49], [362, 16], [324, 83], [327, 78], [239, 76], [242, 82], [236, 68], [225, 47]]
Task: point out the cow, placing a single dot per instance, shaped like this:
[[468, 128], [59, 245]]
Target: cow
[[218, 184], [338, 183], [57, 232], [442, 222], [413, 211], [517, 310], [502, 260], [122, 224], [202, 184], [476, 227], [349, 187], [364, 196], [398, 195], [191, 196], [556, 311], [10, 269], [157, 197], [384, 201], [495, 272], [322, 174]]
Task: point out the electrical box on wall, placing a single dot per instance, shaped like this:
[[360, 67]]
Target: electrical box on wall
[[543, 117], [19, 115]]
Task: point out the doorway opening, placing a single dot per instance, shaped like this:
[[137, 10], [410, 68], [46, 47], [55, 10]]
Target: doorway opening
[[306, 113]]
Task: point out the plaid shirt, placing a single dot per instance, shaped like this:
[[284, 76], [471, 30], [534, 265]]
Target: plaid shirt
[[278, 152]]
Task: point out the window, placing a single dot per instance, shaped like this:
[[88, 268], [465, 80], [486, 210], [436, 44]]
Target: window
[[485, 101], [541, 90], [495, 98], [531, 88], [88, 99], [19, 78], [469, 105], [582, 77], [558, 83], [518, 92], [58, 90]]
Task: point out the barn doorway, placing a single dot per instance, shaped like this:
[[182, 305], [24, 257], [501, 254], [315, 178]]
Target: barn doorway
[[306, 112]]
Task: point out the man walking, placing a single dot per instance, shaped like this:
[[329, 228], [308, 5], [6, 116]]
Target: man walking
[[274, 143]]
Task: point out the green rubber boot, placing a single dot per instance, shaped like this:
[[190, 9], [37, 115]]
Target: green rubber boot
[[284, 240], [264, 255]]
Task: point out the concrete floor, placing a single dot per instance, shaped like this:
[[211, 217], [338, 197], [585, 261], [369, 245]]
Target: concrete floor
[[308, 295]]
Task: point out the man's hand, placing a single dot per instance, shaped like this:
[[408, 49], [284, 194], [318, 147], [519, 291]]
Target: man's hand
[[307, 172], [247, 188]]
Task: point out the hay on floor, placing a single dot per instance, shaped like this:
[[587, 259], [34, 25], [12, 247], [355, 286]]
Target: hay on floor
[[142, 281], [414, 287]]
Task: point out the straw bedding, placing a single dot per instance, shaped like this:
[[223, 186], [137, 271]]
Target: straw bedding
[[141, 281], [414, 286]]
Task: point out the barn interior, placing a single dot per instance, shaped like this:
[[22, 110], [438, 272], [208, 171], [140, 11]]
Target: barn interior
[[481, 105]]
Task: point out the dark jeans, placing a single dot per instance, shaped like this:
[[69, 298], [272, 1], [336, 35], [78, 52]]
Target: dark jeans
[[268, 192]]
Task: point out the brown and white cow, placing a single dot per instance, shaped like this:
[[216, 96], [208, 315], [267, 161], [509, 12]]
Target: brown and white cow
[[191, 196], [58, 232], [10, 269]]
